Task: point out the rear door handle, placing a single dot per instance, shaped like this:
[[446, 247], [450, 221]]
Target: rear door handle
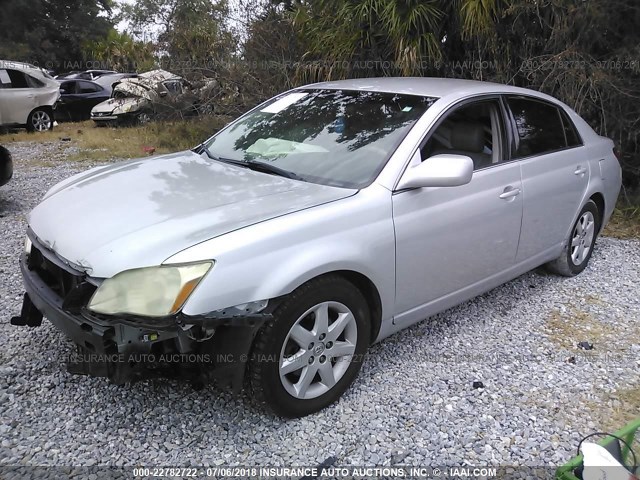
[[580, 170], [509, 192]]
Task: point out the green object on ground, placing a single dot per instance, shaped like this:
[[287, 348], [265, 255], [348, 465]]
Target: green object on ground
[[627, 433]]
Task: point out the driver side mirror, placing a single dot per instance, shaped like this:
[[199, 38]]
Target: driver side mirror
[[163, 93], [443, 170]]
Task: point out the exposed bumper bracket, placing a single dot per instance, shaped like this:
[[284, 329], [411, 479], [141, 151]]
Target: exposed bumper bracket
[[29, 315]]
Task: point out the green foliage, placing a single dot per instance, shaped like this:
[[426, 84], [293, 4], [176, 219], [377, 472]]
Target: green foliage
[[387, 37], [190, 34], [120, 52], [51, 32], [270, 54]]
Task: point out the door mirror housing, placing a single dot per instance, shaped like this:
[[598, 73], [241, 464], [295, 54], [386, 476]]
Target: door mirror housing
[[443, 170]]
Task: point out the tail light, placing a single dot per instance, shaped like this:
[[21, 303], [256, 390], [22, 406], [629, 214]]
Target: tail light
[[617, 153]]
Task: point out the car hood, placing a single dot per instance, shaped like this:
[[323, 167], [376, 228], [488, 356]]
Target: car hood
[[139, 213], [120, 104]]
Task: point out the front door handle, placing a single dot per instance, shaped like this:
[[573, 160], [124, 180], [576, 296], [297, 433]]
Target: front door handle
[[580, 170], [509, 192]]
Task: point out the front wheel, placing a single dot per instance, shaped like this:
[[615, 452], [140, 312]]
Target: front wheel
[[310, 353], [576, 255]]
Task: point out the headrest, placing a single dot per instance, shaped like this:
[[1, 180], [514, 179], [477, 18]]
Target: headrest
[[468, 136]]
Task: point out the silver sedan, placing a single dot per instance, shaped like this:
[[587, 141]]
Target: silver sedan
[[274, 254]]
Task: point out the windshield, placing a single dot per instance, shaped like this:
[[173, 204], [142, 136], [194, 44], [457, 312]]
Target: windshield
[[333, 137]]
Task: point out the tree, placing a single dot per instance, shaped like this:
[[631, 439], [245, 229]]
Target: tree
[[51, 32], [122, 53], [190, 34], [389, 37]]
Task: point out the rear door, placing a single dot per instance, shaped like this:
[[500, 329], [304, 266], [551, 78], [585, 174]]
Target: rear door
[[18, 97], [555, 172]]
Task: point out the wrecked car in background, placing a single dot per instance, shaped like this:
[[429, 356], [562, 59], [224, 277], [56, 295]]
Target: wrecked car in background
[[28, 96], [155, 94]]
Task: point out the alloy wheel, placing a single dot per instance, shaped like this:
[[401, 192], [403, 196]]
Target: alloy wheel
[[318, 350], [582, 238], [41, 121]]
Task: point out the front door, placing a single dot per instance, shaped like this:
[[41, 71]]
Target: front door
[[450, 238]]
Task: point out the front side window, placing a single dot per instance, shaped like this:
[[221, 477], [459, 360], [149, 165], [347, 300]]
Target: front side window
[[333, 137], [474, 130], [173, 87], [539, 127]]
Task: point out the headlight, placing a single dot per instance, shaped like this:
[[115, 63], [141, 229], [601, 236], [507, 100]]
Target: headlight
[[152, 292], [27, 245]]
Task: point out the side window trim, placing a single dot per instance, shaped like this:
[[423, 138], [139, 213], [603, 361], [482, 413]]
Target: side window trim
[[561, 113], [514, 138], [568, 123]]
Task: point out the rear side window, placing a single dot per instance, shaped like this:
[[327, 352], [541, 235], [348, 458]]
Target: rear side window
[[88, 87], [68, 88], [5, 81], [18, 79], [570, 131], [539, 125], [33, 82]]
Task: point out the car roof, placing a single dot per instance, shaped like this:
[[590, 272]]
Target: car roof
[[65, 80], [425, 86], [17, 65]]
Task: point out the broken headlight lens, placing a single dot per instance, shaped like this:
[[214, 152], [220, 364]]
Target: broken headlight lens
[[152, 291]]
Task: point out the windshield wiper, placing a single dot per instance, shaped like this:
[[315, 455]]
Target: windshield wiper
[[255, 166], [271, 169]]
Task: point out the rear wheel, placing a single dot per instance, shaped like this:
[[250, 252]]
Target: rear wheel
[[576, 255], [312, 350], [40, 120]]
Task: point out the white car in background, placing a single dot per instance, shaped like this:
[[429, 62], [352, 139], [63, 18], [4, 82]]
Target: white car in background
[[28, 96]]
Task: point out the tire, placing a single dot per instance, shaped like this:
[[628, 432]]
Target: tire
[[280, 366], [40, 120], [577, 252], [142, 118]]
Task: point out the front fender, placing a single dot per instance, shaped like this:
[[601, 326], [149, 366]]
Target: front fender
[[273, 258]]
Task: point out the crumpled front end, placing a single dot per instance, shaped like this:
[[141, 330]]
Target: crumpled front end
[[119, 109], [215, 346]]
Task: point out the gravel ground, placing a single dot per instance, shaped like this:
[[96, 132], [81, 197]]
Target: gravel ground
[[413, 403]]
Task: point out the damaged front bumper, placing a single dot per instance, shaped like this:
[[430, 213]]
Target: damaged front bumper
[[214, 347]]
